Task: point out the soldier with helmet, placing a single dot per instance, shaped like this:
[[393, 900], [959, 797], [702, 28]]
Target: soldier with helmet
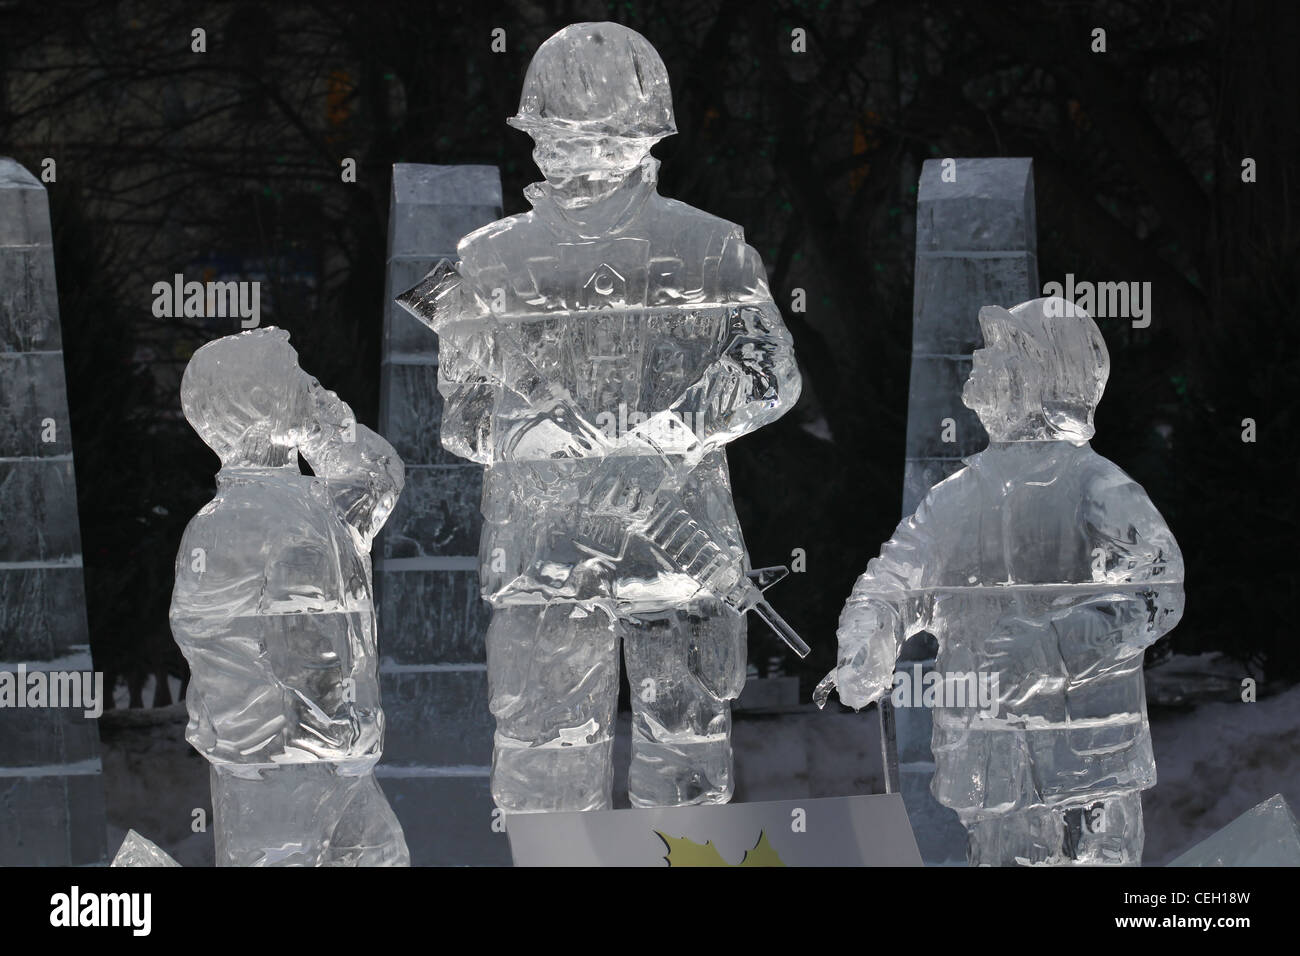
[[596, 355]]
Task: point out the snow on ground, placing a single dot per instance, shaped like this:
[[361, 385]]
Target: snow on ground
[[1214, 762], [154, 781]]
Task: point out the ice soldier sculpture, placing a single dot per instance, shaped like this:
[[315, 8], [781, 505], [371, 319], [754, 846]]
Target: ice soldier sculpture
[[596, 354], [273, 610], [1043, 571]]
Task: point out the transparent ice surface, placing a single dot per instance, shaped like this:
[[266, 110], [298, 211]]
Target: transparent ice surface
[[303, 814], [137, 851], [1265, 835], [273, 608], [596, 354], [1041, 564]]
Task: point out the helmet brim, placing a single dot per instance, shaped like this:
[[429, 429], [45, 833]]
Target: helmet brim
[[531, 123]]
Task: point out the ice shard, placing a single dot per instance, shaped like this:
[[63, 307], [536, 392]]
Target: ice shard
[[273, 609], [137, 851], [1265, 835], [597, 354], [1044, 572]]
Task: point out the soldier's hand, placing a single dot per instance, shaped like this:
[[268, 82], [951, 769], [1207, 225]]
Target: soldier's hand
[[865, 670], [868, 648], [557, 433]]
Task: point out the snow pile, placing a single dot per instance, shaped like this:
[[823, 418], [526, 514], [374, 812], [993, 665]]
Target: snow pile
[[1216, 762]]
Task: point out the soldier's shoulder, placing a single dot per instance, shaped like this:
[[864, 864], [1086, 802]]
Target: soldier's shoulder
[[210, 515], [702, 236], [1099, 475], [959, 479], [487, 244], [949, 490], [249, 512], [684, 214]]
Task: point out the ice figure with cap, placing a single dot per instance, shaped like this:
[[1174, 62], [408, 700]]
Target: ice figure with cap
[[1045, 571], [273, 609], [597, 354]]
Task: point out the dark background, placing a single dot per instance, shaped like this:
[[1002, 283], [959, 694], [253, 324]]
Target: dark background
[[229, 162]]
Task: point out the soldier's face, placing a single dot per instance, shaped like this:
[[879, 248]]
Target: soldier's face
[[278, 397], [563, 157], [995, 389], [980, 388]]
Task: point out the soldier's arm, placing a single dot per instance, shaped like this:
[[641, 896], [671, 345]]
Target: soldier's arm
[[755, 380], [894, 578], [469, 374], [888, 605], [1138, 569], [469, 395], [363, 472]]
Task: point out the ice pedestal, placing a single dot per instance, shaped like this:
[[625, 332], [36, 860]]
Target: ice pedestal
[[1265, 835]]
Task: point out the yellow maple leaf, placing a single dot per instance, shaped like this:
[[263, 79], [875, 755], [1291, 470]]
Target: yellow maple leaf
[[763, 854], [684, 852]]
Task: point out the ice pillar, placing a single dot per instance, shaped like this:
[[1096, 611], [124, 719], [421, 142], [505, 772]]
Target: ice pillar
[[438, 743], [976, 245], [51, 789]]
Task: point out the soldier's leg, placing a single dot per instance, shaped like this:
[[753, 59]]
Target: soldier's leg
[[366, 832], [1107, 832], [553, 681], [1028, 837], [684, 668], [275, 816]]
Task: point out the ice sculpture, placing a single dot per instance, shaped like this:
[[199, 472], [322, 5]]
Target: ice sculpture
[[597, 354], [1265, 835], [1044, 572], [273, 610], [137, 851]]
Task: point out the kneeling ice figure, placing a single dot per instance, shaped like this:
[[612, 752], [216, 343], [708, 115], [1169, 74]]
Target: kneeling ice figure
[[1042, 563], [596, 354], [273, 609]]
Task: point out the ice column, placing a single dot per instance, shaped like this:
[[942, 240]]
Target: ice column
[[976, 245], [438, 745], [51, 791]]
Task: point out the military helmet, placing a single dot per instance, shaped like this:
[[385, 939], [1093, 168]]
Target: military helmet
[[597, 79]]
